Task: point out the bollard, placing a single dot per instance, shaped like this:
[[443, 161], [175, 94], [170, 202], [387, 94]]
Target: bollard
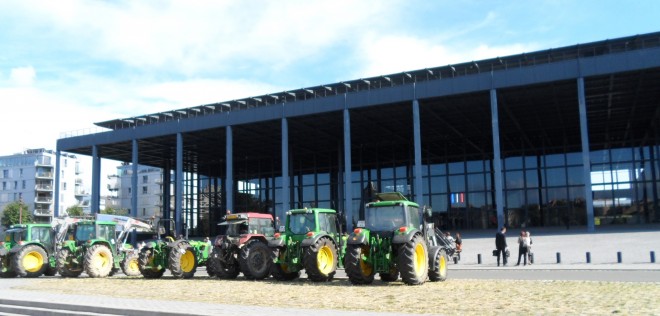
[[558, 257], [588, 257], [478, 258], [618, 256], [652, 256]]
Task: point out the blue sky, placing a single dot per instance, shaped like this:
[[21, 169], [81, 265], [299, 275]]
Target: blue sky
[[67, 64]]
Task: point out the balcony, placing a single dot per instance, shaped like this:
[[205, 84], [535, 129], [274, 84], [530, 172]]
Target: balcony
[[43, 212], [44, 161], [44, 175], [43, 200], [113, 187], [80, 192], [43, 187]]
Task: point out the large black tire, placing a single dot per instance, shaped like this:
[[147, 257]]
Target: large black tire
[[131, 264], [98, 261], [182, 261], [222, 268], [5, 267], [66, 267], [392, 276], [280, 271], [320, 260], [146, 265], [439, 270], [255, 260], [50, 270], [413, 261], [359, 272], [30, 261]]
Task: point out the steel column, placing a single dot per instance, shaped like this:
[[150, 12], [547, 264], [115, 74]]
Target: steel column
[[348, 195], [497, 160], [586, 163], [229, 158], [419, 192], [96, 181], [178, 184], [134, 179], [56, 211], [286, 188], [167, 190]]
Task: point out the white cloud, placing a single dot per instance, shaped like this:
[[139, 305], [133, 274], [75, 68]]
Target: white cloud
[[23, 76]]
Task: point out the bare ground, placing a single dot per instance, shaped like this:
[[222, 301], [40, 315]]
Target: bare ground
[[486, 297]]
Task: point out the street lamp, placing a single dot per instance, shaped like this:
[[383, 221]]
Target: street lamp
[[20, 210]]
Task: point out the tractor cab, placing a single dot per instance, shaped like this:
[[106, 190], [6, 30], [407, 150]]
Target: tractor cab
[[391, 212]]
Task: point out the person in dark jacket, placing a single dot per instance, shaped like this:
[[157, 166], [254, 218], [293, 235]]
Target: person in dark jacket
[[500, 245]]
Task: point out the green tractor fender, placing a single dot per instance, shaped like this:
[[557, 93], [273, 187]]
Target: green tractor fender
[[361, 238], [312, 240], [18, 248], [70, 245], [404, 237], [433, 253]]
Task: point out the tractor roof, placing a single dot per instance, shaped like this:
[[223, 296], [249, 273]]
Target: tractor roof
[[29, 225], [237, 218], [311, 210], [391, 198]]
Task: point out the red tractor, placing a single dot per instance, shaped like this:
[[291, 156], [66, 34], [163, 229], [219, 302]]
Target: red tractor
[[243, 247]]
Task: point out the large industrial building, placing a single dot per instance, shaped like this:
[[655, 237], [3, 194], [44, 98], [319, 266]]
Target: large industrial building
[[564, 136]]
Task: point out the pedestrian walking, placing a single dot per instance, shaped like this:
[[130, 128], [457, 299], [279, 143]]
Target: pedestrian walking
[[530, 255], [522, 247], [500, 246]]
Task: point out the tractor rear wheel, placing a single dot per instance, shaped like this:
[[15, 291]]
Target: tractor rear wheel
[[147, 265], [255, 260], [131, 265], [182, 261], [413, 261], [30, 262], [5, 268], [320, 260], [392, 276], [66, 266], [359, 271], [439, 270], [98, 261], [280, 271], [221, 268]]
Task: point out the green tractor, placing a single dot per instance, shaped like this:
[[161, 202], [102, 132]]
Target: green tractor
[[29, 250], [26, 250], [99, 247], [394, 238], [243, 247], [311, 240], [180, 256]]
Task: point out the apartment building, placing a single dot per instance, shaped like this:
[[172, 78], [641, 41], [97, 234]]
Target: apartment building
[[30, 177], [150, 190]]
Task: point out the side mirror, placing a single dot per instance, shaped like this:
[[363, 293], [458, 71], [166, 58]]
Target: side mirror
[[361, 224], [282, 229], [428, 213]]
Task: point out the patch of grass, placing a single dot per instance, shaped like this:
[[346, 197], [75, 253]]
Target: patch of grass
[[486, 297]]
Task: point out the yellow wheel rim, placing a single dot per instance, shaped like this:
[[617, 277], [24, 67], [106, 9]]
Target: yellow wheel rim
[[33, 261], [325, 260], [101, 259], [365, 267], [134, 265], [419, 259], [443, 265], [187, 261]]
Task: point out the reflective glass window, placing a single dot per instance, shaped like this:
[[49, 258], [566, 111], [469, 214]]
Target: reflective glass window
[[557, 194], [573, 159], [513, 163], [621, 154], [309, 194], [456, 167], [555, 177], [386, 173], [323, 178], [575, 175], [532, 197], [457, 183], [439, 202], [438, 169], [475, 166], [515, 198], [477, 199], [401, 172], [476, 182], [530, 162], [599, 156], [324, 192], [439, 184], [514, 180], [576, 193], [554, 160], [532, 178]]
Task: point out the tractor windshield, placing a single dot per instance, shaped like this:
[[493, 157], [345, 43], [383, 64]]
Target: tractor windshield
[[238, 228], [85, 232], [385, 218], [301, 223], [42, 234], [263, 226], [14, 235]]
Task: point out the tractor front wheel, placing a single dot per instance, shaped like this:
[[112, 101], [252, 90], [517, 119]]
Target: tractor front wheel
[[357, 268], [98, 261], [148, 266], [280, 271], [255, 260], [413, 261], [66, 264], [182, 261], [30, 262], [131, 265], [320, 260], [5, 269], [439, 270], [224, 268]]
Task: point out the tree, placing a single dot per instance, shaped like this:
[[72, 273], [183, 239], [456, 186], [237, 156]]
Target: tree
[[75, 210], [15, 210]]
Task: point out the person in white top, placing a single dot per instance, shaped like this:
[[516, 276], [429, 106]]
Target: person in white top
[[528, 245]]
